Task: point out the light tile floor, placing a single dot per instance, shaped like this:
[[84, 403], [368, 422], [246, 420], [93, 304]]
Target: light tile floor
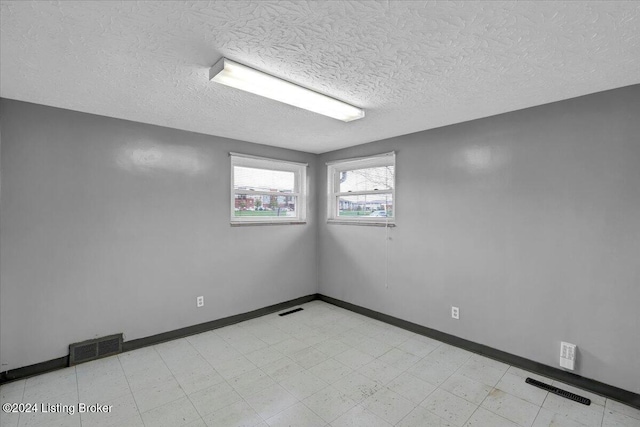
[[318, 367]]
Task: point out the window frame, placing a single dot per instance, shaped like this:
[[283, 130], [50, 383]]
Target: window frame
[[300, 189], [333, 188]]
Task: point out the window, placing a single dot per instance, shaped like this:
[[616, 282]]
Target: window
[[266, 190], [362, 190]]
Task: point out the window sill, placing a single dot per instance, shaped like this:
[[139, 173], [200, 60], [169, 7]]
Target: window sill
[[251, 223], [365, 223]]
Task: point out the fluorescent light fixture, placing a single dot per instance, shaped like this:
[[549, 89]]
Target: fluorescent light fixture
[[245, 78]]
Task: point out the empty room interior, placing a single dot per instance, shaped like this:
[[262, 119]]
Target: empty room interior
[[319, 213]]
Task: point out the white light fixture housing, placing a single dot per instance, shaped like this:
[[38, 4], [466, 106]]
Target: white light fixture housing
[[245, 78]]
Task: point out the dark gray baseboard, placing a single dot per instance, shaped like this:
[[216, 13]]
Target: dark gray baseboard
[[609, 391], [37, 369], [214, 324], [63, 362]]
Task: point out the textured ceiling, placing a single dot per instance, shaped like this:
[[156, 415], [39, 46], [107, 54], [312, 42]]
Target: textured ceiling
[[412, 65]]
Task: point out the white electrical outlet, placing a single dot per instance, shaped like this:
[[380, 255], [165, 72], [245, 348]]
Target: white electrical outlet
[[200, 301], [455, 312], [567, 355]]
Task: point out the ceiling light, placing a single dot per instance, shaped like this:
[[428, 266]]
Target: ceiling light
[[245, 78]]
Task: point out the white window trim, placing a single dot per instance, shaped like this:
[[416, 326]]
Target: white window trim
[[333, 188], [300, 190]]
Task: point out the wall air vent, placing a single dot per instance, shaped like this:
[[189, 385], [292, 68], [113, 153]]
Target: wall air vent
[[94, 349]]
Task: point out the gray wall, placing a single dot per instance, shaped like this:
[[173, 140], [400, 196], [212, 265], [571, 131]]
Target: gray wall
[[527, 221], [112, 226]]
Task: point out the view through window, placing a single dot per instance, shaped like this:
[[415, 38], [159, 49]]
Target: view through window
[[266, 190], [362, 189]]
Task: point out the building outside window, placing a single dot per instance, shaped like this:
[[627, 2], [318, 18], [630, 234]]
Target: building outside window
[[362, 190], [267, 190]]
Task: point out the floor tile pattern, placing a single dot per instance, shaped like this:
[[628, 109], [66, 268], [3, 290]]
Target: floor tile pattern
[[323, 366]]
